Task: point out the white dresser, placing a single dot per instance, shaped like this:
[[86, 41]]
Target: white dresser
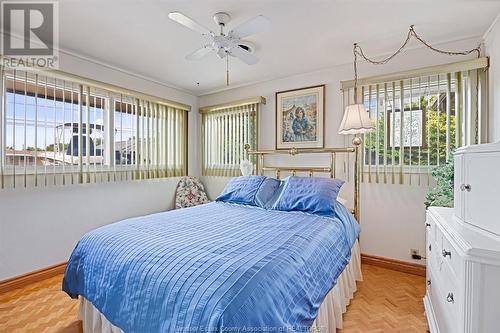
[[463, 248]]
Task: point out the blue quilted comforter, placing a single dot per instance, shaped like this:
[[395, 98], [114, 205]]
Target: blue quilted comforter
[[212, 268]]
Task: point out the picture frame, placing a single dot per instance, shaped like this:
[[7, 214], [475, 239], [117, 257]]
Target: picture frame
[[300, 118]]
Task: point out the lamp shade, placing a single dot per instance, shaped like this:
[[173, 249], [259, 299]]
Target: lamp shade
[[356, 120]]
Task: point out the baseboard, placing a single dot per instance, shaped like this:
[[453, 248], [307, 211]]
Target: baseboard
[[29, 278], [395, 265]]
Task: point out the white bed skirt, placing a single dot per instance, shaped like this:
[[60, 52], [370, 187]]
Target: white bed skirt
[[328, 320], [335, 304]]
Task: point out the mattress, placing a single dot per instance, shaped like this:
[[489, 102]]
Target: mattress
[[213, 267], [329, 317]]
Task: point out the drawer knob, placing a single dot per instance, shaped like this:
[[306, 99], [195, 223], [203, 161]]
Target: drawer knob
[[465, 187], [427, 224], [446, 253], [449, 298], [429, 282], [430, 247]]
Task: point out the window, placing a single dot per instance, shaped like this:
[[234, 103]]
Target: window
[[58, 131], [420, 119], [152, 141], [413, 128], [225, 131]]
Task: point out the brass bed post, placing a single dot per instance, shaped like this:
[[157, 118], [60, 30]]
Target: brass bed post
[[356, 182], [261, 164], [333, 166]]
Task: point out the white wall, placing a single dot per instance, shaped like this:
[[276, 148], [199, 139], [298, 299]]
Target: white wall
[[492, 43], [39, 227], [392, 216]]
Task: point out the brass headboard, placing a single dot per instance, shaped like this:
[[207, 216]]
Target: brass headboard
[[310, 170]]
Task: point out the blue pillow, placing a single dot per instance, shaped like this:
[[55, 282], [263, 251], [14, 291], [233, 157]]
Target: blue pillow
[[242, 190], [270, 203], [311, 195], [266, 191]]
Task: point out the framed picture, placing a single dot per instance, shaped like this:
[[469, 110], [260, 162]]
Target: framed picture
[[300, 115]]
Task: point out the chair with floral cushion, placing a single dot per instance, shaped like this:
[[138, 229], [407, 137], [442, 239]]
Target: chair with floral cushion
[[190, 192]]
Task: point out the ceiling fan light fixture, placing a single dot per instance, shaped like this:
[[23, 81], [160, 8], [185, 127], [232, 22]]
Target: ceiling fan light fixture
[[221, 53], [224, 44]]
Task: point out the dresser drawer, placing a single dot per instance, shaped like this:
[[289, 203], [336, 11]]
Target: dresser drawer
[[433, 247], [444, 294], [430, 226], [451, 257], [436, 247], [443, 252], [434, 259]]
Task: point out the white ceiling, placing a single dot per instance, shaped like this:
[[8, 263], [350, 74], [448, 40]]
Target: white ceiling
[[305, 35]]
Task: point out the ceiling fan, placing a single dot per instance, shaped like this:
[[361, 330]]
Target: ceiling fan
[[224, 44]]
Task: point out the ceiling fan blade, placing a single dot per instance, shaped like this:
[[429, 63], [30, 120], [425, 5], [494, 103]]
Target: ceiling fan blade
[[244, 55], [250, 27], [189, 23], [198, 54]]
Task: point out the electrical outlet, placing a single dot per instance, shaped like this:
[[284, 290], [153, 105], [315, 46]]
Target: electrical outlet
[[413, 252]]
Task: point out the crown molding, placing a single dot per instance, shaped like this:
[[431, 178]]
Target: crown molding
[[490, 28]]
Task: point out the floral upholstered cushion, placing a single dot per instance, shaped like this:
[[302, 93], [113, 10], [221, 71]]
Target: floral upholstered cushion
[[190, 192]]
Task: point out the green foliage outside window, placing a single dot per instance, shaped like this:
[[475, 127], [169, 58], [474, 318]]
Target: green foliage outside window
[[432, 152], [442, 194]]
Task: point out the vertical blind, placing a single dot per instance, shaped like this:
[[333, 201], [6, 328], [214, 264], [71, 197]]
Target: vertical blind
[[59, 131], [419, 120], [225, 131]]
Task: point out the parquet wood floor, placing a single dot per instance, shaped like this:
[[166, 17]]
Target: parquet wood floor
[[386, 301]]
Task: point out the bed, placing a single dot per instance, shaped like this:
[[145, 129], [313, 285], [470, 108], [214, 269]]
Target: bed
[[217, 267]]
